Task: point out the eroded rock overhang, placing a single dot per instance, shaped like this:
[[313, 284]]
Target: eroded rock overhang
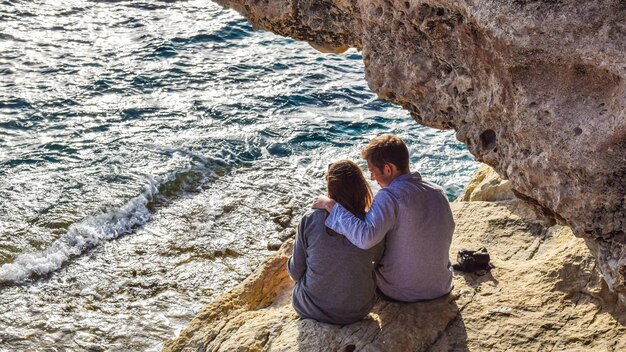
[[533, 88]]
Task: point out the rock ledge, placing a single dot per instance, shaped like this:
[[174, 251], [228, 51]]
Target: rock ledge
[[545, 293]]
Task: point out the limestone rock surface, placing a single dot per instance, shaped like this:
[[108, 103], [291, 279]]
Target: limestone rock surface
[[536, 89], [545, 293], [486, 185]]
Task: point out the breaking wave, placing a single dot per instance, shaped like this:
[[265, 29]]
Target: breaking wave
[[81, 237], [109, 225]]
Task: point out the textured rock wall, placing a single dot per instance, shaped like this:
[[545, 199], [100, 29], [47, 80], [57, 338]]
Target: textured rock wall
[[534, 88], [544, 293]]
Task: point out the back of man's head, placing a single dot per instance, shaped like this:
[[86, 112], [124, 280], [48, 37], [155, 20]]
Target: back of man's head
[[387, 148]]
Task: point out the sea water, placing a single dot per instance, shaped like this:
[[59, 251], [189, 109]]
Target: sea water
[[150, 151]]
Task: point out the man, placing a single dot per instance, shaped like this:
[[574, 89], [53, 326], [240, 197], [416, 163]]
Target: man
[[412, 216]]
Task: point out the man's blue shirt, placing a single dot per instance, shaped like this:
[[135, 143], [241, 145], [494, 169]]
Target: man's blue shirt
[[414, 219]]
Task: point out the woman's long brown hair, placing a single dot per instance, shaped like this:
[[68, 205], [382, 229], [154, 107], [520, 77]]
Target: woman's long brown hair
[[347, 186]]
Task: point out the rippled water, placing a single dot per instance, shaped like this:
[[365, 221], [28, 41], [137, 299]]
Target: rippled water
[[150, 151]]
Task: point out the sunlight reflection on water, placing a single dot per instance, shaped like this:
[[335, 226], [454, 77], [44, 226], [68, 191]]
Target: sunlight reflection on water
[[233, 129]]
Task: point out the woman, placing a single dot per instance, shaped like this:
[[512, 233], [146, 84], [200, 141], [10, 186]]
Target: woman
[[334, 279]]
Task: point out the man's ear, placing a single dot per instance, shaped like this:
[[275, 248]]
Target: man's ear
[[392, 169], [387, 169]]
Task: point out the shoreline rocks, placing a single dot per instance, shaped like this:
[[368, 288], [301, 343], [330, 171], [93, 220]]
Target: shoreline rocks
[[545, 293]]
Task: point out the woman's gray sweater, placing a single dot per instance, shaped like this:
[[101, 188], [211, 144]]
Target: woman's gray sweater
[[335, 281]]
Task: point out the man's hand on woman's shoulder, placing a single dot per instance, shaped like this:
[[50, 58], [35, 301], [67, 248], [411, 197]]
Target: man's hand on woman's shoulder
[[323, 202]]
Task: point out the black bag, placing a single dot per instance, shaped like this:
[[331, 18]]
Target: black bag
[[471, 261]]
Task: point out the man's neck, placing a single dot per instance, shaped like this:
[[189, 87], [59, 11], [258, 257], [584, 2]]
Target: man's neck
[[397, 174]]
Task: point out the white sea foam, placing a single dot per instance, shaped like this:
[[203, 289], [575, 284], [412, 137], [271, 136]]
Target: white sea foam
[[80, 237]]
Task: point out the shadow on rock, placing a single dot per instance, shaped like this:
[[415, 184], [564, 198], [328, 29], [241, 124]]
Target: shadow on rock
[[433, 325], [478, 278]]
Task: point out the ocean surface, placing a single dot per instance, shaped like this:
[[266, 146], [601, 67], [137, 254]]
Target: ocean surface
[[150, 151]]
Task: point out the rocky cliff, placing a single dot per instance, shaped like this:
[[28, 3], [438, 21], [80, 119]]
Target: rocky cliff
[[545, 293], [534, 88]]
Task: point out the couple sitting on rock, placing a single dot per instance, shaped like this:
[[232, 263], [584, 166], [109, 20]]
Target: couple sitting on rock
[[352, 248]]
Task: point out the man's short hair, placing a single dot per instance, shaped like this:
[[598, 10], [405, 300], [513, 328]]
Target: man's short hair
[[386, 149]]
